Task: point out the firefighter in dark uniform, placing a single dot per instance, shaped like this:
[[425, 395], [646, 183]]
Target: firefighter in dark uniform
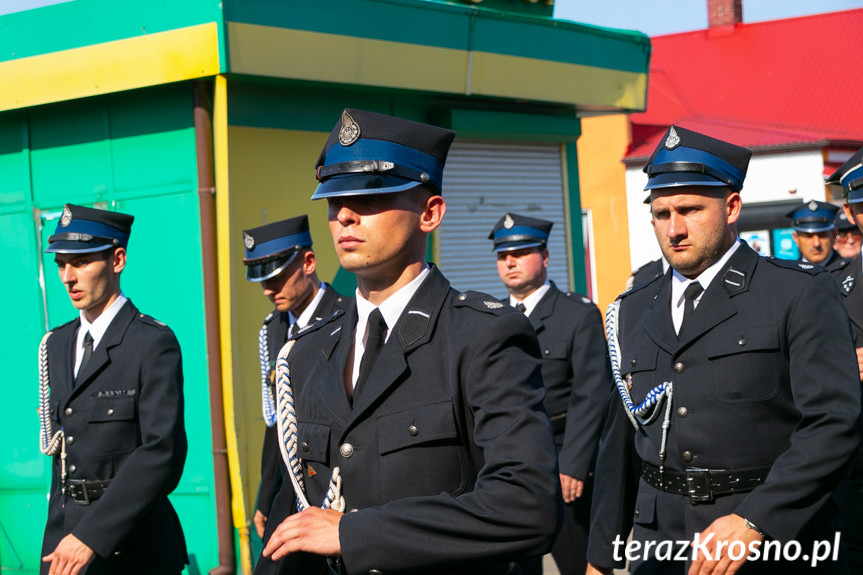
[[111, 414], [849, 275], [279, 256], [736, 386], [814, 232], [575, 371], [848, 237], [427, 401]]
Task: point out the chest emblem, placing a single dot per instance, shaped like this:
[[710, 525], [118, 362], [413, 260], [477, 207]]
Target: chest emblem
[[848, 284]]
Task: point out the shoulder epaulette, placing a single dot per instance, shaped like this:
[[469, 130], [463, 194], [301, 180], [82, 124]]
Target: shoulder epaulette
[[639, 286], [839, 265], [798, 265], [148, 319], [318, 324], [271, 316], [578, 298], [481, 302]]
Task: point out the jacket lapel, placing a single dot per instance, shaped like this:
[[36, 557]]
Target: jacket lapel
[[413, 329], [544, 309], [852, 289], [335, 352], [716, 305], [657, 323], [102, 354]]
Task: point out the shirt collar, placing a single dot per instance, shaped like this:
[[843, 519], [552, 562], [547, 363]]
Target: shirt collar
[[392, 307], [306, 317], [679, 283], [98, 328], [531, 301]]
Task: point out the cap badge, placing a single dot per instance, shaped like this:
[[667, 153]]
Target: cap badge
[[66, 218], [813, 205], [248, 240], [508, 222], [350, 131], [673, 140]]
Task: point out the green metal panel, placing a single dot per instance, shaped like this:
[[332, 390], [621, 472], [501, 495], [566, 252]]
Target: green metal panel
[[87, 22], [135, 153], [576, 229]]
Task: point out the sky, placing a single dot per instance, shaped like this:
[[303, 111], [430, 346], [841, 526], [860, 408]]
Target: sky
[[658, 17]]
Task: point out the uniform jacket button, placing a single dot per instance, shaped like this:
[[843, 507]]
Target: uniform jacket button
[[110, 411], [413, 431], [346, 450], [68, 411], [70, 440], [682, 411], [678, 367], [375, 572], [305, 446], [687, 456], [72, 468]]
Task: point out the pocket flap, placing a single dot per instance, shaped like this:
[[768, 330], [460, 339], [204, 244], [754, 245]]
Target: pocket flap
[[556, 349], [415, 426], [645, 507], [313, 441], [742, 340], [112, 409], [638, 359]]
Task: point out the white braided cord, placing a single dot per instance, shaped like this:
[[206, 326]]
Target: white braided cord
[[647, 410], [287, 426], [50, 443], [268, 404]]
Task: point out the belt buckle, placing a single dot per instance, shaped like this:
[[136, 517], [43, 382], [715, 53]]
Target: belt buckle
[[698, 485], [85, 495]]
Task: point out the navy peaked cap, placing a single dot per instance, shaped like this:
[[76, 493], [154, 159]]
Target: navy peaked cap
[[271, 247], [516, 232], [842, 223], [850, 176], [687, 158], [369, 153], [813, 217], [83, 230]]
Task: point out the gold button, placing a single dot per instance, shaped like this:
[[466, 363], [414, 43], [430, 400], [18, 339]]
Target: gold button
[[687, 456], [682, 411], [678, 367], [346, 450]]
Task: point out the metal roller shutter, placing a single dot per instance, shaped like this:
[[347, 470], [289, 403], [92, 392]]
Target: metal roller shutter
[[482, 182]]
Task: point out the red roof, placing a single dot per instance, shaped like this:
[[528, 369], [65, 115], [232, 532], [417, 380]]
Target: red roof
[[774, 85]]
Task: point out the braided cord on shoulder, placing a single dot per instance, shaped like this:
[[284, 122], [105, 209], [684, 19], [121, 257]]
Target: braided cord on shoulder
[[268, 404], [49, 441], [287, 426]]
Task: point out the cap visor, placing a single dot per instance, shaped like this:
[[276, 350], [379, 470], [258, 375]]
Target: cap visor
[[258, 272], [677, 179], [814, 228], [512, 246], [70, 247], [362, 184]]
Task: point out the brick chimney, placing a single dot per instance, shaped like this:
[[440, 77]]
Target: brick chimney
[[724, 13]]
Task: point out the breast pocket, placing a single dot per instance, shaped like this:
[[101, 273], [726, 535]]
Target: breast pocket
[[420, 452], [638, 370], [113, 425], [745, 363], [313, 442]]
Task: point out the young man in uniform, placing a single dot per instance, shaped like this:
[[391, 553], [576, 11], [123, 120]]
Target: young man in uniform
[[737, 387], [279, 256], [113, 421], [429, 401], [815, 231], [575, 370]]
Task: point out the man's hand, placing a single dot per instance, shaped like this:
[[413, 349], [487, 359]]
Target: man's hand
[[725, 531], [594, 570], [314, 530], [571, 487], [260, 521], [69, 557], [860, 362]]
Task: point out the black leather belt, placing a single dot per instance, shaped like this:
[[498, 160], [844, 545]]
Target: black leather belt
[[82, 491], [703, 485], [558, 423]]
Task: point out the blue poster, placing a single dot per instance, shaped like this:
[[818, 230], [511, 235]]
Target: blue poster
[[784, 246]]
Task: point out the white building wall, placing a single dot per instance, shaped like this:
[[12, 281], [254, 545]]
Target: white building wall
[[770, 178]]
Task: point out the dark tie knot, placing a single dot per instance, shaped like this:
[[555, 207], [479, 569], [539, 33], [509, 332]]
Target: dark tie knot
[[520, 307], [377, 325], [692, 291]]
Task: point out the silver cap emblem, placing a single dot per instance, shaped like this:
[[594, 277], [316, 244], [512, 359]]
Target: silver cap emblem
[[66, 218], [508, 222], [813, 205], [673, 140], [248, 240], [350, 131]]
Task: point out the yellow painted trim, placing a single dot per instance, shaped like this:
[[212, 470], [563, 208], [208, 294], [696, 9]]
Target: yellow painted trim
[[146, 60], [531, 79], [284, 53], [223, 249]]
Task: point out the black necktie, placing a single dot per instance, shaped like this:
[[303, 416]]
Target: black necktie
[[374, 344], [690, 294], [295, 329], [520, 307], [88, 351]]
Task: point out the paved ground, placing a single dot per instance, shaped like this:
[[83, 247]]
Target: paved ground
[[550, 568]]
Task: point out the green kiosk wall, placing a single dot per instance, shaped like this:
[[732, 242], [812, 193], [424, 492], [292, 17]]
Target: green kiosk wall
[[132, 152]]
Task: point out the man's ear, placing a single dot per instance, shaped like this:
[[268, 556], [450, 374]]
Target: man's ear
[[310, 262], [432, 213], [118, 260]]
